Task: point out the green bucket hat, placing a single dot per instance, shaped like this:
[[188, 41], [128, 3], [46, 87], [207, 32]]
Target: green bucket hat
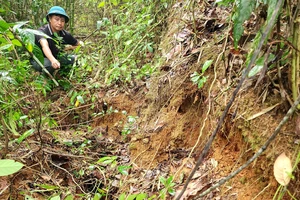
[[57, 10]]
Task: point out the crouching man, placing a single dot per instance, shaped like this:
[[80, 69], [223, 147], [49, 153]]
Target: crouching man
[[54, 57]]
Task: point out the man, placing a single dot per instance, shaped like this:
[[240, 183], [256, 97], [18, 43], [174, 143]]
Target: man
[[54, 57]]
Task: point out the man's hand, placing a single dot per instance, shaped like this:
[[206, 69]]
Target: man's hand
[[70, 47], [55, 64]]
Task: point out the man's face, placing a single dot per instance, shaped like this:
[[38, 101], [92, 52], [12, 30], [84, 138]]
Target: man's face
[[57, 22]]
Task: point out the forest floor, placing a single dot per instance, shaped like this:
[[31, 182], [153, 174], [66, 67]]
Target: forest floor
[[171, 119]]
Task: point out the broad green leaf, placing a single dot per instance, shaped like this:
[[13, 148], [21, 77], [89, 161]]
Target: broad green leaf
[[150, 49], [118, 35], [25, 135], [123, 169], [29, 47], [169, 180], [122, 196], [36, 32], [4, 47], [171, 191], [101, 4], [163, 180], [255, 70], [19, 25], [80, 99], [141, 196], [195, 77], [206, 65], [97, 196], [131, 197], [271, 7], [244, 10], [16, 42], [260, 64], [128, 42], [8, 167], [38, 53], [3, 25], [202, 81], [114, 2]]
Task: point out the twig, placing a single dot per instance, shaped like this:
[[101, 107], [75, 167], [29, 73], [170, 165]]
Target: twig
[[6, 137], [265, 34], [4, 189], [260, 151], [67, 155], [70, 175], [261, 191], [154, 156]]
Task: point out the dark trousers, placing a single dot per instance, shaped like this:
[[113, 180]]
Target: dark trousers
[[66, 62]]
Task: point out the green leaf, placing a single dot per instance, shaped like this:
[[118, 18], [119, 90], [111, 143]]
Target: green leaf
[[80, 99], [35, 32], [118, 35], [195, 79], [114, 2], [122, 196], [101, 4], [107, 159], [202, 81], [169, 180], [271, 7], [55, 198], [123, 169], [8, 167], [97, 196], [3, 25], [69, 197], [38, 53], [19, 25], [2, 10], [131, 197], [16, 42], [4, 47], [163, 180], [171, 191], [29, 47], [141, 196], [47, 187], [25, 135], [128, 42], [206, 65], [244, 10]]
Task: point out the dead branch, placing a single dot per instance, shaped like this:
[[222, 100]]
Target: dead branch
[[259, 152]]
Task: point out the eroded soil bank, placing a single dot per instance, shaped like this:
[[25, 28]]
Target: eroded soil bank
[[174, 119]]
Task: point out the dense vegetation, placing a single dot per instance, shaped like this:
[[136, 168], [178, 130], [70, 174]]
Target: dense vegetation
[[121, 48]]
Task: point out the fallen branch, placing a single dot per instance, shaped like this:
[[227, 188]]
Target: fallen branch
[[264, 36], [259, 152]]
